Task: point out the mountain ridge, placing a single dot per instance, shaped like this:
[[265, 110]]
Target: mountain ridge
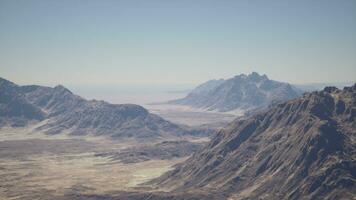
[[14, 108], [242, 92], [300, 149], [70, 113]]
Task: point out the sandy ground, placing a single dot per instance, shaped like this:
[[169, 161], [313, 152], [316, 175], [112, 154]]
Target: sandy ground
[[186, 115], [35, 165]]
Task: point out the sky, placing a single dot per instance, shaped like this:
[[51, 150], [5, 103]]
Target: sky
[[184, 42]]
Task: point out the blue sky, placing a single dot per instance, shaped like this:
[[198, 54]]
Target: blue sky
[[181, 42]]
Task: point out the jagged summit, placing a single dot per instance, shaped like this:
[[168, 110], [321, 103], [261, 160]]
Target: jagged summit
[[254, 76], [242, 92], [301, 149]]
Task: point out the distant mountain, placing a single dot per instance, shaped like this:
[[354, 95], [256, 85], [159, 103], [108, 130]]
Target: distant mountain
[[61, 111], [301, 149], [242, 92], [319, 86], [207, 87]]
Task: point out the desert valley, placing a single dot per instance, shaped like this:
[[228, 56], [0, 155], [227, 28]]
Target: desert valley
[[177, 100], [57, 145]]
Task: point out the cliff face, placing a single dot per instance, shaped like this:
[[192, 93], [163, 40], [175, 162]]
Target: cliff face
[[302, 149]]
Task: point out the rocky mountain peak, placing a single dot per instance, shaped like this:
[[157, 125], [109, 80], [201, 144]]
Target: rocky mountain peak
[[15, 110], [254, 76], [62, 89], [241, 93]]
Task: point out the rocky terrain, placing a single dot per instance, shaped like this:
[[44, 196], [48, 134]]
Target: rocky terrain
[[164, 150], [57, 110], [241, 93], [301, 149], [15, 110], [57, 145]]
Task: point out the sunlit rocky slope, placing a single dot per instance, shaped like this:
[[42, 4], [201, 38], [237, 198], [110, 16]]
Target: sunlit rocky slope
[[57, 110], [302, 149]]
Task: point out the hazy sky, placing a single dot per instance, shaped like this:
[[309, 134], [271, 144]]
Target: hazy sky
[[133, 42]]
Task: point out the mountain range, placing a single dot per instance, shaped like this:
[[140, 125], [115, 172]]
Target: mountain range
[[304, 148], [57, 110], [242, 93], [301, 148]]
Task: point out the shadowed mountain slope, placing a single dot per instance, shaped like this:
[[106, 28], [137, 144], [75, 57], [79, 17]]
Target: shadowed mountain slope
[[66, 112], [302, 149], [15, 110], [242, 92]]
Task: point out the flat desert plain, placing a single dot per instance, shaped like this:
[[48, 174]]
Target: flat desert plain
[[38, 166]]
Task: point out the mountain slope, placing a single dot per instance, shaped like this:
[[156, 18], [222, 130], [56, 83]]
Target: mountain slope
[[66, 112], [243, 92], [302, 149], [15, 110]]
